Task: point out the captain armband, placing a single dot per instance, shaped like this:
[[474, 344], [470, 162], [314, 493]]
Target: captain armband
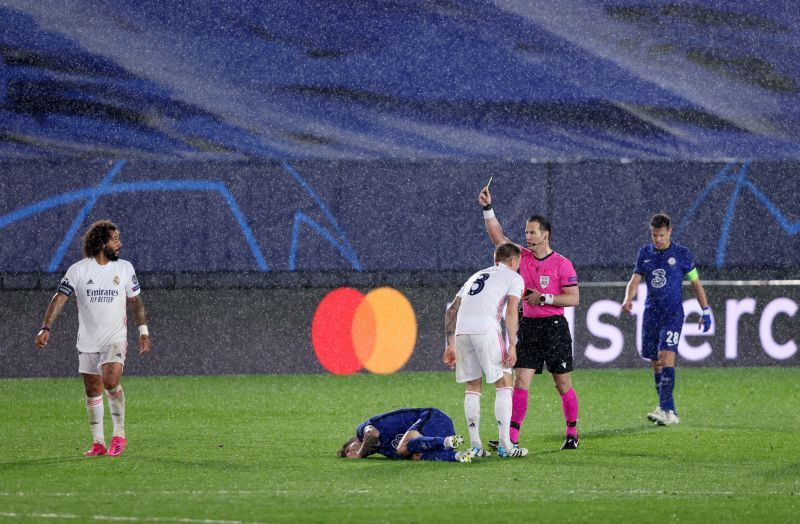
[[64, 287], [692, 275]]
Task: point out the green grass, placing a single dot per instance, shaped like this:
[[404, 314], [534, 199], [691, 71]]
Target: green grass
[[261, 449]]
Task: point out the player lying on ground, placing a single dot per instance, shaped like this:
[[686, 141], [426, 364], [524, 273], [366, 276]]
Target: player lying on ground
[[408, 433]]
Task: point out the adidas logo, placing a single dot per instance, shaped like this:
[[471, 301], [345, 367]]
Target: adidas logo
[[90, 283]]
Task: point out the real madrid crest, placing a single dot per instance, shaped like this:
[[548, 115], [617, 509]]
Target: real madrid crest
[[544, 281], [116, 280], [671, 261]]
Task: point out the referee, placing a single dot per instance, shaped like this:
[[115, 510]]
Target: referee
[[544, 339]]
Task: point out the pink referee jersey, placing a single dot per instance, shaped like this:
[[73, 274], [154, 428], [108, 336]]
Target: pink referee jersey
[[549, 275]]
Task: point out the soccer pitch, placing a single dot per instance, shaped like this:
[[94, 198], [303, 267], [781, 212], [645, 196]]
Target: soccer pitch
[[262, 449]]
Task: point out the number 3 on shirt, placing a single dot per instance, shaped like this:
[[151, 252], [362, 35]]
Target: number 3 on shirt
[[477, 286]]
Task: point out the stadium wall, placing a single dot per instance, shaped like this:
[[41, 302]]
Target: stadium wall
[[310, 216], [208, 327], [235, 257]]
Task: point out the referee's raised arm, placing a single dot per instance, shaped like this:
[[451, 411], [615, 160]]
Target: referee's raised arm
[[493, 226]]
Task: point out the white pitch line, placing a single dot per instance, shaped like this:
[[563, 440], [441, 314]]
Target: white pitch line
[[70, 516], [610, 492], [146, 493], [650, 492]]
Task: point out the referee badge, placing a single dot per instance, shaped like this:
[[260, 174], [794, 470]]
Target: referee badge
[[544, 281]]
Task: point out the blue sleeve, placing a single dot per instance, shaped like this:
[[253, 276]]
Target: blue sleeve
[[639, 267], [688, 261], [378, 421]]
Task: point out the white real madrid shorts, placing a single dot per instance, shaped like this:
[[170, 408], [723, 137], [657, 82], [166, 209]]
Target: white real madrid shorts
[[479, 354], [92, 363]]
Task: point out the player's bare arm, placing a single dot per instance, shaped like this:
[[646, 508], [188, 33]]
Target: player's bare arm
[[450, 317], [700, 293], [370, 442], [136, 305], [702, 299], [630, 292], [53, 310], [570, 297], [512, 326], [493, 226]]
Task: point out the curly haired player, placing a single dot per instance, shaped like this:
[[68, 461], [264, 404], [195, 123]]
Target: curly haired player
[[104, 286]]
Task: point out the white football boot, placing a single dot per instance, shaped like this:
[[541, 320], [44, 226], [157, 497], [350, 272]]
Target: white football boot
[[669, 419], [656, 415]]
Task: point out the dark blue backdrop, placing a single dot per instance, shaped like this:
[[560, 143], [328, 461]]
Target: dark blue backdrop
[[348, 215]]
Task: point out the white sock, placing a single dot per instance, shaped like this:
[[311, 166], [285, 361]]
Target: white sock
[[95, 409], [472, 409], [116, 405], [502, 412]]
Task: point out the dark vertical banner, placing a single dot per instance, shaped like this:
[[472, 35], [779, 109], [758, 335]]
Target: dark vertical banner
[[386, 329]]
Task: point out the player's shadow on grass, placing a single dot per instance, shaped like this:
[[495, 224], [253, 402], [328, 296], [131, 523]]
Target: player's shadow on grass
[[602, 434], [223, 463], [644, 427], [22, 463]]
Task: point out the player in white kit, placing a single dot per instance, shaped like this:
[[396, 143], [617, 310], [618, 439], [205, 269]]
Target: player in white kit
[[104, 287], [476, 344]]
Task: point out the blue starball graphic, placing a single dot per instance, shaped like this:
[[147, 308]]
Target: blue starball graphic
[[740, 181], [337, 238]]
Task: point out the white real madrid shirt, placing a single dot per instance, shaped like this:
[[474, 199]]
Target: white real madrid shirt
[[102, 293], [484, 297]]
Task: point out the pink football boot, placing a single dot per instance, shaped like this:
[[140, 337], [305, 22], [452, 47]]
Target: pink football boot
[[117, 446], [97, 450]]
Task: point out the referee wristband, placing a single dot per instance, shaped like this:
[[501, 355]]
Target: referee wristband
[[488, 213], [548, 299], [143, 331]]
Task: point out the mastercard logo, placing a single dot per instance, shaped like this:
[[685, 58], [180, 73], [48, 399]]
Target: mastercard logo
[[376, 331]]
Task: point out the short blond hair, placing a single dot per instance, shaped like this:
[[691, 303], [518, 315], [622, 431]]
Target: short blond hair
[[506, 252]]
